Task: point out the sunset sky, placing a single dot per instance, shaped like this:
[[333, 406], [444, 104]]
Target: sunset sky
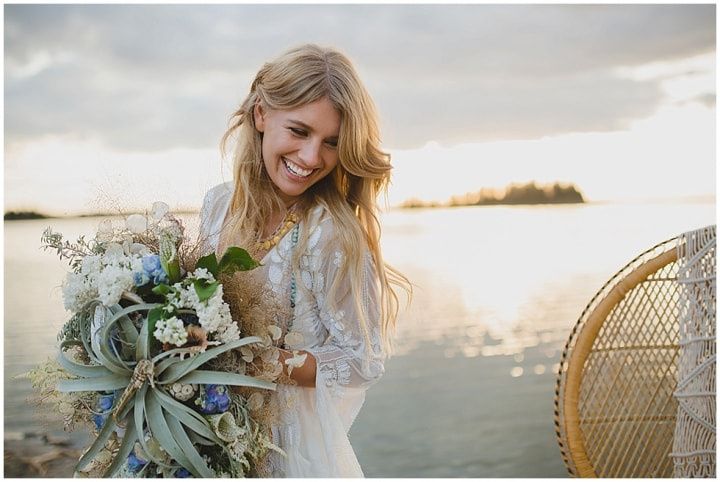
[[122, 105]]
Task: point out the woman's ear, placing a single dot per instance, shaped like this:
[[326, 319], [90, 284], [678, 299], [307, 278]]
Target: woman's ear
[[259, 115]]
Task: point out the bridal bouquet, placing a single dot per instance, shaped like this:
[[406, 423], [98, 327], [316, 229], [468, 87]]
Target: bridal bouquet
[[143, 360]]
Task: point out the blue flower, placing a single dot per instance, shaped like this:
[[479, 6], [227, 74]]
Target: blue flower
[[99, 420], [213, 399], [135, 463], [151, 262], [160, 277], [106, 402], [183, 473], [140, 278], [152, 270]]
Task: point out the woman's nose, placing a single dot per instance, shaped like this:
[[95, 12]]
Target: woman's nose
[[310, 153]]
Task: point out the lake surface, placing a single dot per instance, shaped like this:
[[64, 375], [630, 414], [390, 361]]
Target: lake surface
[[469, 392]]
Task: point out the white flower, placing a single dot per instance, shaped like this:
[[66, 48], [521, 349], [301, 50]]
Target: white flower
[[80, 288], [136, 223], [213, 314], [111, 282], [202, 273], [171, 331]]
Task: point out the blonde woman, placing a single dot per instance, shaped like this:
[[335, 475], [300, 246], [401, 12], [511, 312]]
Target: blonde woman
[[307, 172]]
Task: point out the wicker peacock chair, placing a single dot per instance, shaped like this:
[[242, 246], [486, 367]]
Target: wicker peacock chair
[[615, 399]]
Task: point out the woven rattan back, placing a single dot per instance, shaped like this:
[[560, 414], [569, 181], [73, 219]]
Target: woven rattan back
[[614, 406]]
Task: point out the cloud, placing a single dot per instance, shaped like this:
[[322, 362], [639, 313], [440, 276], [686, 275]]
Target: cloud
[[155, 77]]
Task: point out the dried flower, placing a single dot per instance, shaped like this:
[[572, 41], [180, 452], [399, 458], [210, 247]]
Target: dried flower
[[275, 332], [255, 401], [159, 210], [296, 361], [247, 354], [294, 339], [183, 391], [136, 223]]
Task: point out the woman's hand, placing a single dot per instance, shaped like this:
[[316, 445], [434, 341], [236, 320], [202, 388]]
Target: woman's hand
[[304, 374]]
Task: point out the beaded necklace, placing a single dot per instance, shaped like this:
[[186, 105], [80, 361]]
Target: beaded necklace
[[293, 284], [285, 225]]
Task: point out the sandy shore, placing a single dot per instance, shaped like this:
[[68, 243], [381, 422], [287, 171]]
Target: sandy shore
[[39, 455]]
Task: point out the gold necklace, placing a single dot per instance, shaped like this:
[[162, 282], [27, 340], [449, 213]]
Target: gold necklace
[[285, 225]]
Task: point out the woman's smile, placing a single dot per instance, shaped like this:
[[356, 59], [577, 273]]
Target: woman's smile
[[295, 170]]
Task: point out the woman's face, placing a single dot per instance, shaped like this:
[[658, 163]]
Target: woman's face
[[299, 145]]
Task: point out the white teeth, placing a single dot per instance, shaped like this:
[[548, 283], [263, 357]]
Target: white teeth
[[297, 170]]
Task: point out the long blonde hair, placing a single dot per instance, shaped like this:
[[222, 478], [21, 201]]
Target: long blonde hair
[[349, 193]]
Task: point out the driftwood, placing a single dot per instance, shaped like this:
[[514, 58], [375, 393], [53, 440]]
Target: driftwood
[[38, 462]]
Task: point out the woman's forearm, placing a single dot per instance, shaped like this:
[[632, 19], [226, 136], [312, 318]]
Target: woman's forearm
[[305, 374]]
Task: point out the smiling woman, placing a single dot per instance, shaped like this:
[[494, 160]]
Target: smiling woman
[[308, 170]]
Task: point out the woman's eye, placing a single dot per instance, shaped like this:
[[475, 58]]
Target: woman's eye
[[298, 132], [332, 144]]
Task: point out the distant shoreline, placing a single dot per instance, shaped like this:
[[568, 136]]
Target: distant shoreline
[[513, 195], [30, 215]]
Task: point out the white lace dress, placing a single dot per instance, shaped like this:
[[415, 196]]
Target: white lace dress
[[315, 421]]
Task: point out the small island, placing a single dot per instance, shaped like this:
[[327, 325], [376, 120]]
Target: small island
[[22, 215], [514, 194]]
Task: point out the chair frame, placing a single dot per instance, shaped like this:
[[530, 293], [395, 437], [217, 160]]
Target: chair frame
[[579, 347]]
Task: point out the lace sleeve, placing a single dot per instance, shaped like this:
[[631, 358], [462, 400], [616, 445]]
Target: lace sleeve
[[346, 360], [212, 215]]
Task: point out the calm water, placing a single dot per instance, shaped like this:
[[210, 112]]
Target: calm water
[[470, 390]]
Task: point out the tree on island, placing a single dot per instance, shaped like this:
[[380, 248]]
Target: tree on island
[[19, 215], [529, 193]]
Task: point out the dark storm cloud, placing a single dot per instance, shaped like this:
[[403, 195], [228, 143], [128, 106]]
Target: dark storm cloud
[[144, 77]]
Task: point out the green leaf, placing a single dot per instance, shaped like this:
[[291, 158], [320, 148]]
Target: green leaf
[[224, 378], [164, 364], [200, 440], [186, 445], [161, 431], [107, 429], [187, 417], [173, 270], [80, 370], [143, 343], [129, 331], [204, 289], [139, 415], [169, 259], [152, 318], [126, 446], [210, 263], [96, 384], [181, 368], [236, 259], [99, 346], [107, 358], [161, 289]]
